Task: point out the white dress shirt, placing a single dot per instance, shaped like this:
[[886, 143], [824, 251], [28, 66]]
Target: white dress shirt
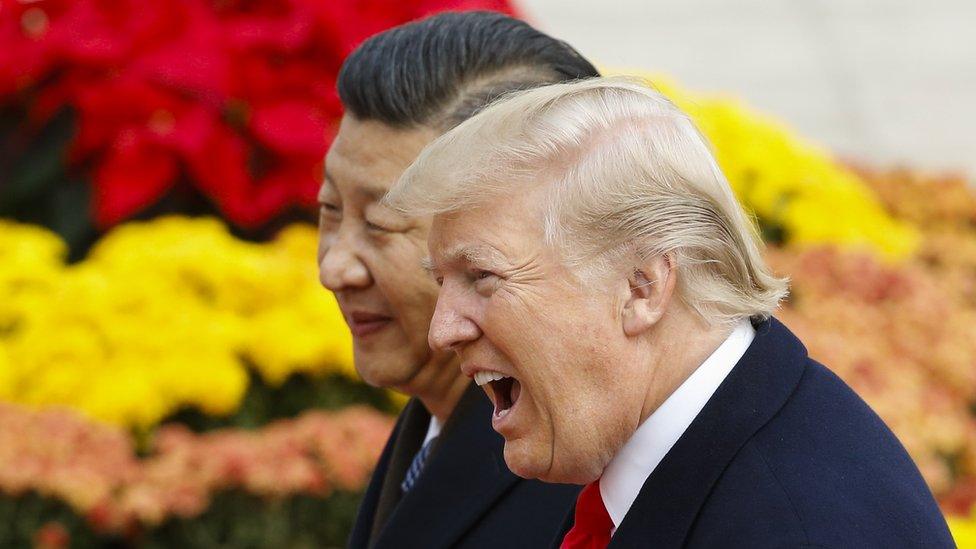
[[433, 430], [624, 477]]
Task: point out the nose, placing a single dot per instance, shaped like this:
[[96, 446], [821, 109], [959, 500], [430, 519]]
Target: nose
[[450, 327], [340, 268]]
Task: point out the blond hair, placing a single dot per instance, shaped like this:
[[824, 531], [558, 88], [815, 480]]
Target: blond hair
[[628, 176]]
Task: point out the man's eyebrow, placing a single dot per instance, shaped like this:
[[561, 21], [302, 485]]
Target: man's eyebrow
[[372, 191], [428, 264], [474, 254]]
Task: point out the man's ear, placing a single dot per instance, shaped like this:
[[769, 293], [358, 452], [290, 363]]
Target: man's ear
[[651, 288]]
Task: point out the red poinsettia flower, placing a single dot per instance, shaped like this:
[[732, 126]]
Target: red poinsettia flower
[[141, 134], [237, 97]]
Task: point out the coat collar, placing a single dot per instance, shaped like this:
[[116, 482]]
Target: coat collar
[[464, 477], [377, 503], [759, 385], [406, 441]]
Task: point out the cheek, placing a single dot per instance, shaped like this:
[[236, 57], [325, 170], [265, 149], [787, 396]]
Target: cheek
[[529, 453], [529, 335], [582, 397], [519, 325], [412, 292], [407, 287]]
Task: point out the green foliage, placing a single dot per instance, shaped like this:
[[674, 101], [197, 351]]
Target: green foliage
[[264, 403], [234, 520], [21, 517], [35, 186], [240, 520]]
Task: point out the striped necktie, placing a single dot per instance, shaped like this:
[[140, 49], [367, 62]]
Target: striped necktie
[[416, 466]]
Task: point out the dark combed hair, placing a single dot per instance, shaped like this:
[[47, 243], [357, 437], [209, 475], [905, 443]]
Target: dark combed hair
[[441, 70]]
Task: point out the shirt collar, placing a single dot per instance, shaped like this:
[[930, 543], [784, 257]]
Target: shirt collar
[[433, 430], [624, 477]]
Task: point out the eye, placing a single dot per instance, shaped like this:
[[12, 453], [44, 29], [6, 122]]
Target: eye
[[483, 278], [329, 209], [370, 226], [439, 280], [379, 219], [485, 282]]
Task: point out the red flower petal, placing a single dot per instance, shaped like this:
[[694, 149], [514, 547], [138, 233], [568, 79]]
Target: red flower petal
[[193, 61], [219, 167], [186, 132], [133, 175], [290, 127], [427, 7], [283, 26], [242, 91]]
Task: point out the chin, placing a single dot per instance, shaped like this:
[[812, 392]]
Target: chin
[[579, 473], [571, 469], [526, 461], [378, 372]]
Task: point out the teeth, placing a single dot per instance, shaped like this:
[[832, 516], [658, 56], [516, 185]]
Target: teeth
[[487, 376]]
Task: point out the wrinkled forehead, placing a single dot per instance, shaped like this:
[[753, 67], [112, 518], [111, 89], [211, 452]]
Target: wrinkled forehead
[[457, 237], [465, 254], [494, 232]]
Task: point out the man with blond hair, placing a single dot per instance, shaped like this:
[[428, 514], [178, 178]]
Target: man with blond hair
[[602, 284]]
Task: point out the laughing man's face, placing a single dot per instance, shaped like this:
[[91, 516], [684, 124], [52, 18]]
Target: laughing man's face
[[551, 355]]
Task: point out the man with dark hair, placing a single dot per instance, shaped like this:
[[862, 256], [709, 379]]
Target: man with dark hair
[[442, 479], [439, 71]]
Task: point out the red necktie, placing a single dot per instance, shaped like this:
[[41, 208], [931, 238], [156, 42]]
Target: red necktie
[[591, 528]]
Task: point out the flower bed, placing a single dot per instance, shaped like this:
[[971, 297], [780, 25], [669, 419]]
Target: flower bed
[[162, 315], [234, 101], [93, 468]]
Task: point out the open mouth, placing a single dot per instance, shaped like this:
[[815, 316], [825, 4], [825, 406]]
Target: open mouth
[[503, 390]]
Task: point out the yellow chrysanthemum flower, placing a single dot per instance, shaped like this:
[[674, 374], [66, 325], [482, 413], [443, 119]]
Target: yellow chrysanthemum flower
[[161, 315]]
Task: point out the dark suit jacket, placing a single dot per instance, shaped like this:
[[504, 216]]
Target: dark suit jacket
[[784, 454], [465, 497]]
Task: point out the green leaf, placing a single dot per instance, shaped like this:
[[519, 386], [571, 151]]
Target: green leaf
[[40, 165]]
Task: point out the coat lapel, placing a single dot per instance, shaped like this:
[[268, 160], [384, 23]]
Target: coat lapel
[[362, 528], [406, 443], [567, 525], [379, 500], [463, 478], [750, 396]]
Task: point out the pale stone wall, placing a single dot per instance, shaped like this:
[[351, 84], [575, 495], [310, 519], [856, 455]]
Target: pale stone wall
[[884, 81]]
